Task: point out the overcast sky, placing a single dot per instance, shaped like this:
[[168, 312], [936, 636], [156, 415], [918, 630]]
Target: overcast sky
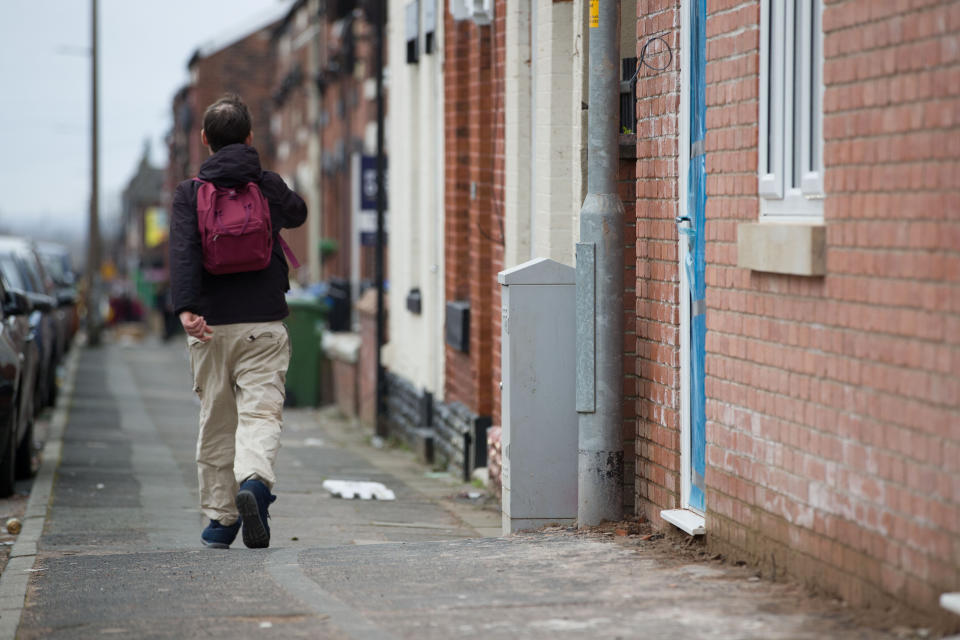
[[45, 94]]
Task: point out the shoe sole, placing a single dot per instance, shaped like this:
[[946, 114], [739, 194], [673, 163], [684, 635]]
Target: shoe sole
[[214, 545], [255, 534]]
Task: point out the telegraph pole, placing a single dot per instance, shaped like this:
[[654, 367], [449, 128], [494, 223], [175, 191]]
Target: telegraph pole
[[600, 284], [93, 239]]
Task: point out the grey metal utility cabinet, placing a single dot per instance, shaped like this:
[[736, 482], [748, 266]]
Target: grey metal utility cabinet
[[540, 426]]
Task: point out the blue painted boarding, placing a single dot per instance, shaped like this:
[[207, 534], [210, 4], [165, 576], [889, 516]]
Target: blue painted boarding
[[696, 237]]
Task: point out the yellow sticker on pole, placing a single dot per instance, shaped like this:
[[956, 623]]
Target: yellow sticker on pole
[[594, 14]]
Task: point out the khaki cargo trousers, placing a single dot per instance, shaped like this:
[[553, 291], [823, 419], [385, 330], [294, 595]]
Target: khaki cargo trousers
[[239, 376]]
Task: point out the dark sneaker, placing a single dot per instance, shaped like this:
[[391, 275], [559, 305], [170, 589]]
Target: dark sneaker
[[253, 500], [218, 536]]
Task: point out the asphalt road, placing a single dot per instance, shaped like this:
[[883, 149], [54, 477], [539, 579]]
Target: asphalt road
[[117, 548]]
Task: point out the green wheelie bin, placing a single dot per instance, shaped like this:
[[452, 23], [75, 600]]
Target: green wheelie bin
[[305, 322]]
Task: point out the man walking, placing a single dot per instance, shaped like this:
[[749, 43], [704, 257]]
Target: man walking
[[239, 348]]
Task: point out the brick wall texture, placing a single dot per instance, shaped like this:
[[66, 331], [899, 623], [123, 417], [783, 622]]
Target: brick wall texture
[[290, 124], [474, 181], [833, 403], [657, 289], [245, 67]]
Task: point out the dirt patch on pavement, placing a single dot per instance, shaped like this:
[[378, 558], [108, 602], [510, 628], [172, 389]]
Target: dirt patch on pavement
[[678, 549]]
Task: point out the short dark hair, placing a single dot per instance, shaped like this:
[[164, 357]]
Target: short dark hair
[[226, 121]]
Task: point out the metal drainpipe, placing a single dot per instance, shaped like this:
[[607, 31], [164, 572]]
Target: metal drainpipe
[[600, 283], [380, 423], [315, 145]]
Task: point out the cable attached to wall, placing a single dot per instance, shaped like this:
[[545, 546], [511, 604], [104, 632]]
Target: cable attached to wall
[[646, 58], [642, 58]]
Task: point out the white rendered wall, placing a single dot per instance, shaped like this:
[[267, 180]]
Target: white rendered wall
[[554, 162], [518, 135], [581, 91], [415, 198]]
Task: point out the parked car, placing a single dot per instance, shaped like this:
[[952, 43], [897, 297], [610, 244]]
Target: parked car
[[18, 352], [56, 262], [20, 265]]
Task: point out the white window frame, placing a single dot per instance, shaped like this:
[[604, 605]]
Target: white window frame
[[780, 200]]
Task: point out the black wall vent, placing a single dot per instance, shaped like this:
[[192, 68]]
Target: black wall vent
[[458, 325], [414, 301]]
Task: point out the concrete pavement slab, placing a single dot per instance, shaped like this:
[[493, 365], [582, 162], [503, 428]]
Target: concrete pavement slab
[[551, 586]]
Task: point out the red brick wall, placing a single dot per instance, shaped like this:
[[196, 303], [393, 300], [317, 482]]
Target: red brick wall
[[499, 195], [833, 403], [347, 112], [657, 358], [246, 67], [289, 117], [367, 364], [458, 43], [474, 112]]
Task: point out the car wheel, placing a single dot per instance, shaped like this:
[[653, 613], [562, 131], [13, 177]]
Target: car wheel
[[24, 455], [8, 459]]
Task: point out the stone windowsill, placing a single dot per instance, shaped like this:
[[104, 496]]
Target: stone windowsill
[[783, 247]]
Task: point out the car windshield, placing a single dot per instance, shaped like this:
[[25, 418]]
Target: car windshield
[[32, 273], [52, 265], [58, 267], [10, 270]]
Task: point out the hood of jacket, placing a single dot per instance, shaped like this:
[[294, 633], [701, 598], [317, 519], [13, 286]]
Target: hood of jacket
[[232, 165]]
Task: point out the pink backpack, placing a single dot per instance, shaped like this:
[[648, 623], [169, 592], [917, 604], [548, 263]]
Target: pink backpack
[[235, 228]]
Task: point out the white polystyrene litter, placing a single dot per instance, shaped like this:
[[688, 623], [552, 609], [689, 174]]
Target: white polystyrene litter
[[351, 489]]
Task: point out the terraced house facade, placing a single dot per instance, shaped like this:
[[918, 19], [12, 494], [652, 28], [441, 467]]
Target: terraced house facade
[[790, 359], [791, 242]]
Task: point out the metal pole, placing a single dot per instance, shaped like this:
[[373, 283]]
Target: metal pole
[[314, 146], [600, 283], [381, 10], [93, 240]]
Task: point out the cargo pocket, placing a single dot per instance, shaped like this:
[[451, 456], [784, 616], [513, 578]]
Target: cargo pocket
[[194, 350]]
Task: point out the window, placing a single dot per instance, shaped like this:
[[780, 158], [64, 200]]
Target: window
[[790, 176], [429, 26], [412, 31]]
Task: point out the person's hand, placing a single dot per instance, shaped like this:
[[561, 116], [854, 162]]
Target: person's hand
[[195, 326]]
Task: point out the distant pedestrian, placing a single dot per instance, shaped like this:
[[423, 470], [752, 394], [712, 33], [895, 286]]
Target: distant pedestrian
[[239, 348]]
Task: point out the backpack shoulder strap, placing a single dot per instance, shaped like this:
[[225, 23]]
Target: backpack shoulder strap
[[206, 194], [289, 252], [291, 256]]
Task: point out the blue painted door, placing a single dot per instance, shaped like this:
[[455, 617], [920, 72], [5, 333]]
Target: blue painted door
[[696, 239]]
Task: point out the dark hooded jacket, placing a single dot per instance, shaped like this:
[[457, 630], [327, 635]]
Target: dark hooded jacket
[[253, 296]]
